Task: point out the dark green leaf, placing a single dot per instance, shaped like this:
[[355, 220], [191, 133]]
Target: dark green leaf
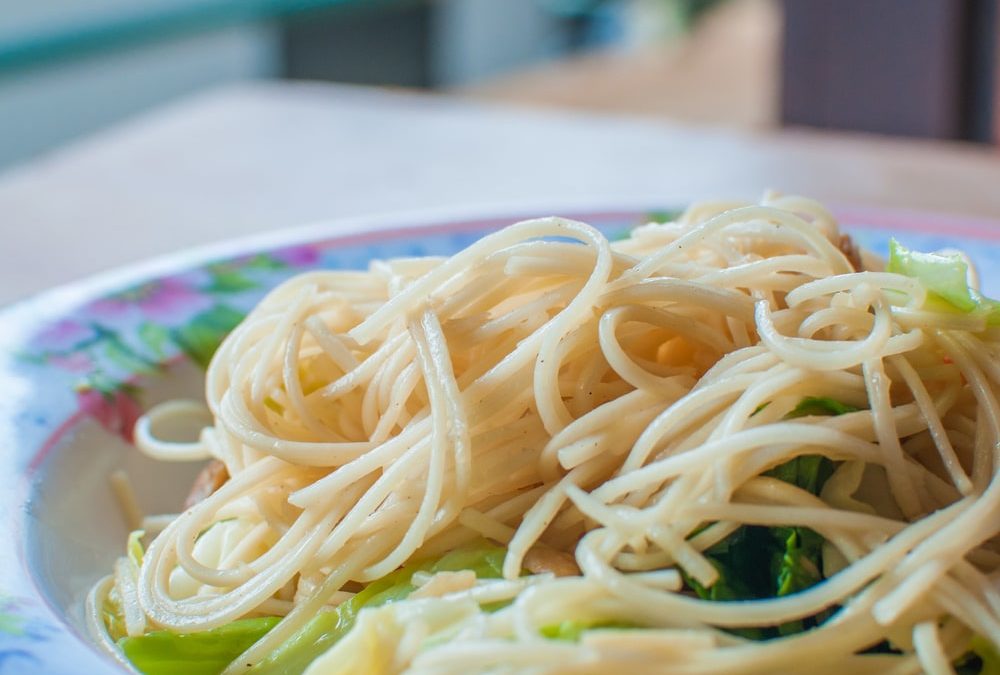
[[883, 647], [820, 406], [797, 569], [743, 560], [765, 562], [809, 472]]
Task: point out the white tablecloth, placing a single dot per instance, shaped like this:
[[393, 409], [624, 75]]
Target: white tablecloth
[[260, 157]]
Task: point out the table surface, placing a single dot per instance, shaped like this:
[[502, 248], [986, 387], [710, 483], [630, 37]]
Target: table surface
[[45, 31], [268, 156]]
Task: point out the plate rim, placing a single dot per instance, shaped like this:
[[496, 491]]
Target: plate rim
[[28, 314], [67, 294]]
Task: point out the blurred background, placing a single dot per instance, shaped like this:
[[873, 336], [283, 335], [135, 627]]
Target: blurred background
[[917, 68]]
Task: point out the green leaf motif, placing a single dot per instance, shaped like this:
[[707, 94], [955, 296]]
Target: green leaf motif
[[103, 383], [228, 279], [33, 358], [263, 261], [11, 624], [156, 337], [664, 215], [201, 336], [126, 358]]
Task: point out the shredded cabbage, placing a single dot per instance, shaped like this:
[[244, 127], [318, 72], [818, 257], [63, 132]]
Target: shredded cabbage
[[946, 277]]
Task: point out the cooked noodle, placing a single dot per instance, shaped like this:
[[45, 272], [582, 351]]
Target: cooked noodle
[[620, 402]]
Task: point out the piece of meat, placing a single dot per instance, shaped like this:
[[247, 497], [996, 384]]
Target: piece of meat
[[851, 251], [211, 478], [539, 560]]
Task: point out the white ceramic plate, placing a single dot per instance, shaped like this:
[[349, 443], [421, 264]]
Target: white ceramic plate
[[79, 363]]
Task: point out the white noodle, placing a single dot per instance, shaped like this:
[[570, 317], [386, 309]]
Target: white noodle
[[615, 401], [124, 491]]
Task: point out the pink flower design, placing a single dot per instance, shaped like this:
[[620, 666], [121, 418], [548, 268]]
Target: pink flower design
[[169, 301], [297, 256], [116, 411], [75, 362]]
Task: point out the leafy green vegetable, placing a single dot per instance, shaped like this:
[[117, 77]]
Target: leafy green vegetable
[[325, 629], [133, 548], [798, 566], [743, 560], [797, 569], [819, 405], [944, 275], [114, 617], [809, 472], [111, 607], [983, 659], [209, 652], [757, 563], [205, 653], [765, 562], [572, 631], [946, 279]]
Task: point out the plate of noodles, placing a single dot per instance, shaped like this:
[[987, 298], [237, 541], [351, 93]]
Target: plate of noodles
[[735, 438]]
